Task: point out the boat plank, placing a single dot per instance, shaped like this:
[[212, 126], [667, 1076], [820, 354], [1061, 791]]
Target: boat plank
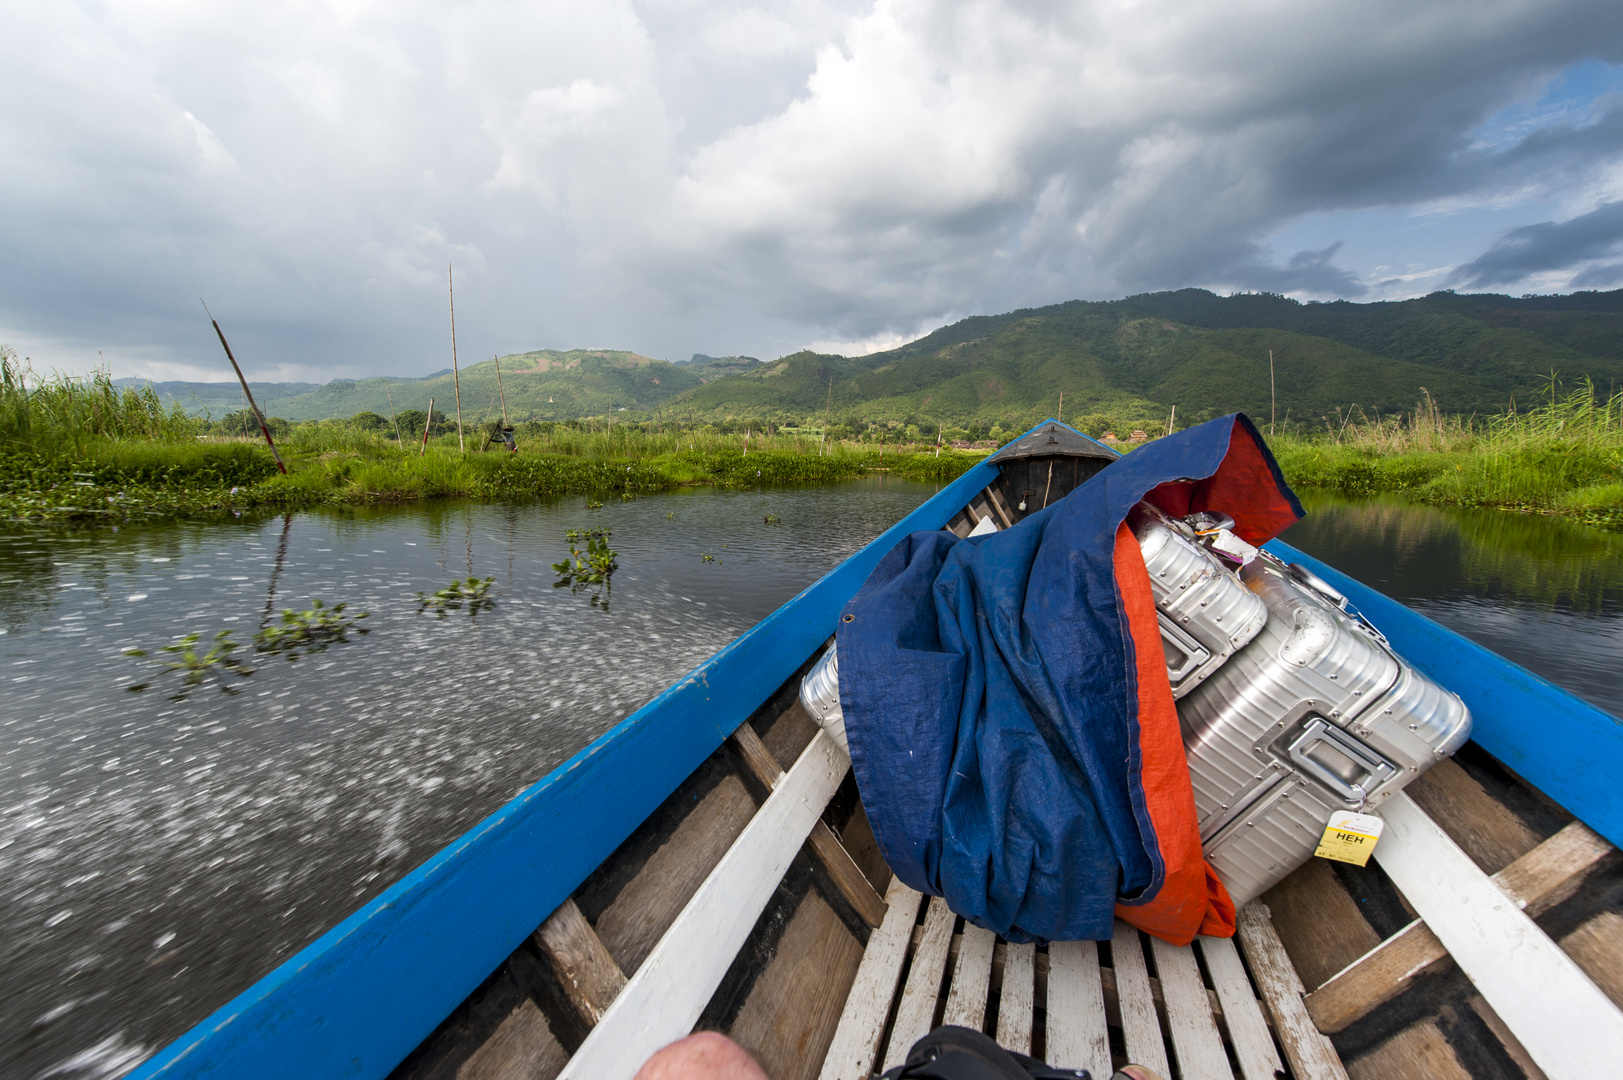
[[1540, 879], [862, 1021], [1507, 1038], [665, 997], [1597, 947], [1318, 921], [1553, 871], [588, 975], [1481, 825], [1418, 1052], [1307, 1050], [1242, 1012], [1077, 1033], [631, 926], [522, 1048], [999, 507], [847, 876], [971, 978], [1017, 998], [916, 1010], [1569, 1026], [761, 762], [1195, 1038], [792, 1010], [1140, 1027]]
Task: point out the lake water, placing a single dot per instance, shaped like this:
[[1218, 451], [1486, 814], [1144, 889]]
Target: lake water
[[158, 856]]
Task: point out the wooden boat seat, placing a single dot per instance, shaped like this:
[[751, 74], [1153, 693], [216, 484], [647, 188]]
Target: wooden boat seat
[[1060, 1001]]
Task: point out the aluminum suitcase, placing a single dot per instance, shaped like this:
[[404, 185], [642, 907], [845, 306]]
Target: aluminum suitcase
[[1205, 612], [1315, 714]]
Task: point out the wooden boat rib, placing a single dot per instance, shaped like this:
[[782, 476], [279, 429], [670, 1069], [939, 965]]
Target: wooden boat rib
[[707, 864]]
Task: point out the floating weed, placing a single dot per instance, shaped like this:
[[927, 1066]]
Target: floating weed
[[311, 630], [593, 566], [671, 516], [593, 505], [707, 557], [772, 519], [216, 664], [472, 594]]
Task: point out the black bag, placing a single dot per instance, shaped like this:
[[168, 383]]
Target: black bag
[[958, 1053]]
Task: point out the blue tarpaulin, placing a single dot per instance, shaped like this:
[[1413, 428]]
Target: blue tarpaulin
[[1010, 752]]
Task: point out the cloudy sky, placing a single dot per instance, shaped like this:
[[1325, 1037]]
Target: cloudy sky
[[679, 176]]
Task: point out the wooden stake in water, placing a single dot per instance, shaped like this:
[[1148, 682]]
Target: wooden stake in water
[[398, 441], [826, 407], [1273, 400], [427, 423], [264, 427], [499, 389], [456, 380]]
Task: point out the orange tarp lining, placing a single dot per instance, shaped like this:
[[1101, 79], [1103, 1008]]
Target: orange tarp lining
[[1243, 487], [1191, 899]]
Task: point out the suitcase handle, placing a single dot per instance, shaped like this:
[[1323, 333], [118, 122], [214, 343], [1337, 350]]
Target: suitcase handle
[[1377, 768]]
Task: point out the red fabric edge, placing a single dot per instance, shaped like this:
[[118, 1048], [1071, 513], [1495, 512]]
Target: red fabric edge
[[1191, 899], [1242, 487]]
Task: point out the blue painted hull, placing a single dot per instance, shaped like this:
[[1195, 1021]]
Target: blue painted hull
[[363, 996]]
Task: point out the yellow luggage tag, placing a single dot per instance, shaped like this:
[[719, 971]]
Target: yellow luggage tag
[[1350, 837]]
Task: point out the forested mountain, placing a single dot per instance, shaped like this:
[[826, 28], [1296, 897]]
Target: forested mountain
[[1131, 360], [1121, 362]]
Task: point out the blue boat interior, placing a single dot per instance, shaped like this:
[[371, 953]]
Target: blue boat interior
[[415, 983]]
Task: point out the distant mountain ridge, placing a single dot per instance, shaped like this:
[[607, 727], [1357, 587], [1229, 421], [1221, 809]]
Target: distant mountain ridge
[[1135, 358], [1117, 361]]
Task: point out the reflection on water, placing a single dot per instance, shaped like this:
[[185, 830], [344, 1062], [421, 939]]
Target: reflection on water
[[157, 857], [1545, 592]]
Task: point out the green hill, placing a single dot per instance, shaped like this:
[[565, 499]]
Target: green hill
[[1129, 361], [1121, 362], [542, 385]]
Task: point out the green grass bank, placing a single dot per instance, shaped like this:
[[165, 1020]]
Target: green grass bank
[[1563, 457]]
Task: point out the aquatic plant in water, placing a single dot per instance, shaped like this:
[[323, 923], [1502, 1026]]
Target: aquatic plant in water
[[472, 594], [772, 519], [593, 565], [311, 630], [216, 664]]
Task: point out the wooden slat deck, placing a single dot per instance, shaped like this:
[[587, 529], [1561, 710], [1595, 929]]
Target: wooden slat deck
[[1064, 1014]]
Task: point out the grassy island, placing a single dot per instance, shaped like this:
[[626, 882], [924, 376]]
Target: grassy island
[[86, 449]]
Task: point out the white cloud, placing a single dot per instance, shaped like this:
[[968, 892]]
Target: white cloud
[[684, 175]]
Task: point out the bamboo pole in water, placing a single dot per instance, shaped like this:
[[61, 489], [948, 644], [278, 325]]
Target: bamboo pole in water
[[499, 389], [264, 427], [456, 379], [398, 441]]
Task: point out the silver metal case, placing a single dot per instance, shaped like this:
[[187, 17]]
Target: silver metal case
[[1205, 612], [1315, 714], [820, 696]]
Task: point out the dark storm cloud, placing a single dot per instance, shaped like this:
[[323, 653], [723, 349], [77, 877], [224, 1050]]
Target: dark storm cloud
[[717, 176], [1548, 245]]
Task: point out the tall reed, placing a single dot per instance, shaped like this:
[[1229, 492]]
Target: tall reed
[[64, 412]]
